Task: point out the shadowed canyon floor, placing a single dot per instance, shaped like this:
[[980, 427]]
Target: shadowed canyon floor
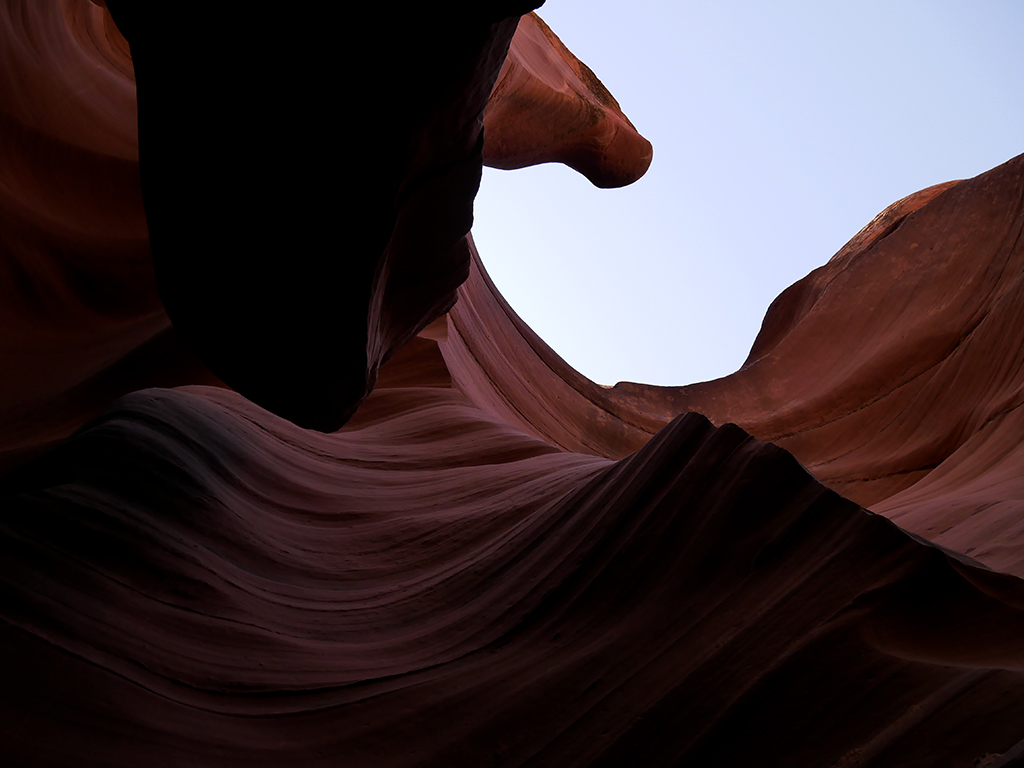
[[484, 559]]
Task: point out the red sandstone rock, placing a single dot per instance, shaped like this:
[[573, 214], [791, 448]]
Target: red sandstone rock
[[80, 319], [548, 106], [900, 357], [433, 586], [496, 561], [296, 251]]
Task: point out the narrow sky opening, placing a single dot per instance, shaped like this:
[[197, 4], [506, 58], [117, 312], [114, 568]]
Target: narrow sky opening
[[779, 130]]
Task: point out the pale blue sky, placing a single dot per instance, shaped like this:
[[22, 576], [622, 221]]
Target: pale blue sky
[[779, 130]]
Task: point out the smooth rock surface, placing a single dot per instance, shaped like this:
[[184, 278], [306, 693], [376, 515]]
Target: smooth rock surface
[[494, 561], [548, 106]]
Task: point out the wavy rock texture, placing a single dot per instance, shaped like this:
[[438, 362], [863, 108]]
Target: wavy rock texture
[[495, 561], [80, 320], [895, 373]]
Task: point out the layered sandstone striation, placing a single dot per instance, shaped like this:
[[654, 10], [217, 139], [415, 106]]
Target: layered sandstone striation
[[493, 561], [894, 373]]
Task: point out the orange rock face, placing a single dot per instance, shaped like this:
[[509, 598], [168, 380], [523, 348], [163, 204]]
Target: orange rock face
[[494, 561], [548, 106], [80, 321]]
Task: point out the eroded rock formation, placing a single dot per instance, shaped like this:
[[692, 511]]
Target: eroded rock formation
[[495, 561], [548, 106]]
